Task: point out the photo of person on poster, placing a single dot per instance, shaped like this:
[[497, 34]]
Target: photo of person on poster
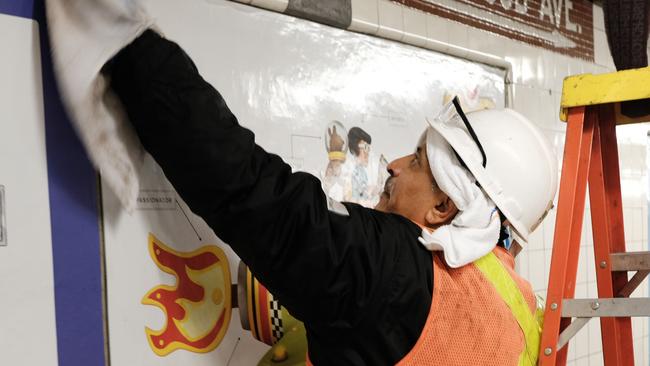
[[353, 172]]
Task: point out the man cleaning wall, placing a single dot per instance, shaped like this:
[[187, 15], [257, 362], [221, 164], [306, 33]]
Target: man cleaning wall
[[418, 281]]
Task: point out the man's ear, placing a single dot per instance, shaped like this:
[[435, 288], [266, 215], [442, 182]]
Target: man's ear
[[442, 213]]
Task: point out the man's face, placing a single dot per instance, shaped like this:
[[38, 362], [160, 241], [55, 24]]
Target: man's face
[[409, 191]]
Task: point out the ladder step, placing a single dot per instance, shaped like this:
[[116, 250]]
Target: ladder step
[[630, 261], [616, 307], [615, 87]]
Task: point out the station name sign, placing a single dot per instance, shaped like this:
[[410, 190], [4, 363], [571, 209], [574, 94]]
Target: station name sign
[[564, 26]]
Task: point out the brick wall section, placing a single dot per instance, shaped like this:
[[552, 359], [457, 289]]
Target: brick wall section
[[563, 26]]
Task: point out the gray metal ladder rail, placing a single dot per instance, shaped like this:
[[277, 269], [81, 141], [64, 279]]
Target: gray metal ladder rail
[[584, 310]]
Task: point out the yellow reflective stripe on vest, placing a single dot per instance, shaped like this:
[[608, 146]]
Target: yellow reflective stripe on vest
[[496, 273]]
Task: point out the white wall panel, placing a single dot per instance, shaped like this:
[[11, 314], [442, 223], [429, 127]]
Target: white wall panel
[[27, 320]]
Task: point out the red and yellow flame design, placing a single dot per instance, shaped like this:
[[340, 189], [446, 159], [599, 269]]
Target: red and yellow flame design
[[198, 307]]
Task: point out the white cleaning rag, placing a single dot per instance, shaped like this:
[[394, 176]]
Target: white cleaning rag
[[474, 231], [84, 35]]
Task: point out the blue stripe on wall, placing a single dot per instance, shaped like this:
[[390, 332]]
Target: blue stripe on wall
[[74, 218], [19, 8]]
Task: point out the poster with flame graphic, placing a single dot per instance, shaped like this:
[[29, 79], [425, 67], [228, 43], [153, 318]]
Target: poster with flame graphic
[[198, 306]]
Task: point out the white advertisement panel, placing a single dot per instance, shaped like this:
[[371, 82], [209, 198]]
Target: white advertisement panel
[[27, 314], [333, 103]]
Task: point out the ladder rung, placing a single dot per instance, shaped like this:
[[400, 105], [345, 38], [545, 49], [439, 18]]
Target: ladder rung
[[630, 261], [617, 307]]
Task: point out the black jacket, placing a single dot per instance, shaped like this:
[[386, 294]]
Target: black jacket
[[361, 282]]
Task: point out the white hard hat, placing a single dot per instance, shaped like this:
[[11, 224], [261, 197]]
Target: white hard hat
[[516, 166]]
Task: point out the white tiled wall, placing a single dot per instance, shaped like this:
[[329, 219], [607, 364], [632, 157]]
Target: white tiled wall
[[536, 86], [536, 78]]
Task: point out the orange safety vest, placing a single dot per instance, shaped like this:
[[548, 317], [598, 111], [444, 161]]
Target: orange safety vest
[[483, 313], [470, 322]]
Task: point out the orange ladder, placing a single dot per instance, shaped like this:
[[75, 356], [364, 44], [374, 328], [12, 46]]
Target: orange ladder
[[591, 105]]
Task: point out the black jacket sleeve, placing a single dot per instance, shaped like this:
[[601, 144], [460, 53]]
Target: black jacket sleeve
[[328, 269]]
